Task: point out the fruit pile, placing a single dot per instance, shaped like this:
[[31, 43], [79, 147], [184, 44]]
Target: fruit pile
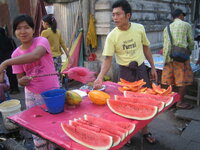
[[137, 86], [97, 133]]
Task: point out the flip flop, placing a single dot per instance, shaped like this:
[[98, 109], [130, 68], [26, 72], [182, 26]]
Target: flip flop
[[184, 106], [149, 138]]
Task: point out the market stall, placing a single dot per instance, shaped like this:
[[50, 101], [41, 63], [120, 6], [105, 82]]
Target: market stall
[[47, 125]]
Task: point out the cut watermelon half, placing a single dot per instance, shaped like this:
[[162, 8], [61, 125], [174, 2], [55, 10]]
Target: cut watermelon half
[[167, 99], [87, 137], [116, 139], [129, 110], [143, 100]]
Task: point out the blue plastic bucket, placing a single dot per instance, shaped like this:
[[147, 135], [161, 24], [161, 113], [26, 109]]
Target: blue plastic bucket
[[54, 100]]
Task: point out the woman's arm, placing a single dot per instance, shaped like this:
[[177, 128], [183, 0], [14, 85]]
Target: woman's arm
[[24, 59], [2, 77]]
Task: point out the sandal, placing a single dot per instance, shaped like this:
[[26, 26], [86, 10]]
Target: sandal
[[184, 106], [149, 138]]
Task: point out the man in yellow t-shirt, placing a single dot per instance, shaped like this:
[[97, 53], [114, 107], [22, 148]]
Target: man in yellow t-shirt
[[128, 42]]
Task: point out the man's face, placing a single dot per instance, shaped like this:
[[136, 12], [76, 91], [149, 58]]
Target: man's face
[[119, 17]]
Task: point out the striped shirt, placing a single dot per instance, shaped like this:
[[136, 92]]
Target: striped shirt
[[181, 36]]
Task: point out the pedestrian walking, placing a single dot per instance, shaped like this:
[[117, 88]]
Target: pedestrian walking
[[175, 72]]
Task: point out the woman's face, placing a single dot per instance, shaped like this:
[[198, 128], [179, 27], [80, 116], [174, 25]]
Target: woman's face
[[44, 24], [24, 32]]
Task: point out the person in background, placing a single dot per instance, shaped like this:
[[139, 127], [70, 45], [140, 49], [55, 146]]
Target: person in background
[[4, 86], [32, 58], [198, 61], [129, 43], [7, 46], [55, 39], [177, 73]]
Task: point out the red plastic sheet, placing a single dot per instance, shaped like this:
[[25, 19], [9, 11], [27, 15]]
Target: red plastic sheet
[[48, 126]]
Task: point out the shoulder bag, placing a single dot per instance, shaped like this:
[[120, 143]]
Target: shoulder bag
[[178, 53]]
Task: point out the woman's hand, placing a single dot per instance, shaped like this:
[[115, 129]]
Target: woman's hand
[[24, 81], [3, 66]]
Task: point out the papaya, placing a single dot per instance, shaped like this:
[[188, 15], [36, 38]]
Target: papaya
[[167, 91], [157, 88], [132, 84], [98, 97], [73, 98], [150, 91]]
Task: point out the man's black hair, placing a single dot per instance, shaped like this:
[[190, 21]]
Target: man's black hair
[[126, 7], [176, 13], [20, 18]]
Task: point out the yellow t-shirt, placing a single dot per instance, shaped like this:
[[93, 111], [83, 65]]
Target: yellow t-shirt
[[55, 40], [127, 45]]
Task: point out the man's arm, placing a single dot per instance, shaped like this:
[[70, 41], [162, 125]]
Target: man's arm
[[190, 38], [104, 69], [148, 55]]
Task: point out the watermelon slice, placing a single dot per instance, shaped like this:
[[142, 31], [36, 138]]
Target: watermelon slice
[[108, 127], [118, 133], [129, 127], [144, 100], [87, 137], [116, 139], [136, 111], [167, 99]]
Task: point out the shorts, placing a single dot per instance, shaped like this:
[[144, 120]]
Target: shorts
[[177, 73]]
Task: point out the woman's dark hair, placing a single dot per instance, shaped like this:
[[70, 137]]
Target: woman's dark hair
[[50, 19], [20, 18], [126, 7], [2, 32]]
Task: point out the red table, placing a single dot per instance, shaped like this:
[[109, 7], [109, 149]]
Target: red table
[[48, 126]]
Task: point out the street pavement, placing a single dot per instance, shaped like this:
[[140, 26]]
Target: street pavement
[[174, 130]]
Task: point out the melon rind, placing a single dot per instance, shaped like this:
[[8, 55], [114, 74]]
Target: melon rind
[[171, 100], [132, 117], [88, 145]]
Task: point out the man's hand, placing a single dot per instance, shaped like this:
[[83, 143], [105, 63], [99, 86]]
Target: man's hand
[[24, 81], [154, 75], [97, 83]]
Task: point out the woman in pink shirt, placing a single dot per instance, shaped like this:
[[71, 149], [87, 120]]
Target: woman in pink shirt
[[32, 58]]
